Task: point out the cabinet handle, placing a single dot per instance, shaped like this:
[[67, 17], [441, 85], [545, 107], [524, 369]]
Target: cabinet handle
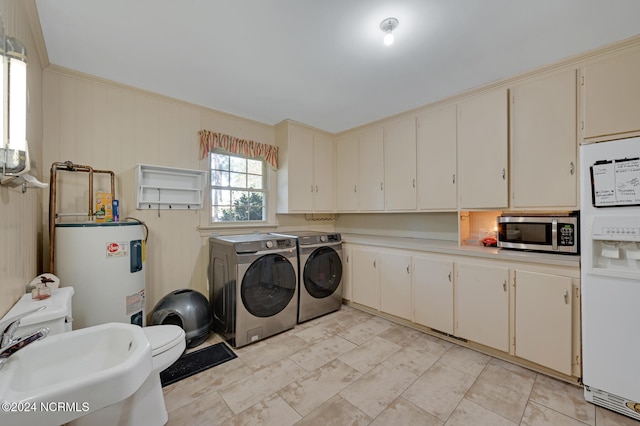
[[504, 285], [571, 168], [504, 174], [449, 276], [414, 183], [407, 269], [453, 178], [566, 296], [347, 258], [374, 263], [355, 188], [311, 188], [381, 186]]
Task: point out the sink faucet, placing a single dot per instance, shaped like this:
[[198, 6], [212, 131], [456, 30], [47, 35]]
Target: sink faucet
[[10, 344]]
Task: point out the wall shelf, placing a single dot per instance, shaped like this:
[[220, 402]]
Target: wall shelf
[[164, 188]]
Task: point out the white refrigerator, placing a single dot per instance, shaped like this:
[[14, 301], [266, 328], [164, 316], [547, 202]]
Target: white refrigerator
[[105, 263], [610, 274]]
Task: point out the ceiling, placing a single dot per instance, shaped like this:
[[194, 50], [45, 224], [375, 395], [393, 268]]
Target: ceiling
[[322, 62]]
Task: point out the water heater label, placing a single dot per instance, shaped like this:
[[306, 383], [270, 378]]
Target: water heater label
[[135, 302], [117, 249]]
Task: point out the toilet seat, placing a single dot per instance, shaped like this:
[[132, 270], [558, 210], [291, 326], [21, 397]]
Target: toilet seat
[[163, 337]]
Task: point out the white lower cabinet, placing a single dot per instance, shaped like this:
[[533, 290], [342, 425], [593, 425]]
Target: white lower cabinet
[[526, 310], [395, 283], [381, 279], [347, 289], [482, 304], [433, 293], [365, 276], [543, 319]]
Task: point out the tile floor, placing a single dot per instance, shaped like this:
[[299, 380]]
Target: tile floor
[[353, 368]]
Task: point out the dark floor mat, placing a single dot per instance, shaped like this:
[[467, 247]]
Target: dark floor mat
[[195, 362]]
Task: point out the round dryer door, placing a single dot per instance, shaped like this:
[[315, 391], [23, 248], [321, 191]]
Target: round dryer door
[[268, 285], [322, 272]]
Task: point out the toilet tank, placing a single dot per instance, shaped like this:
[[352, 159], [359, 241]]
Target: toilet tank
[[56, 316]]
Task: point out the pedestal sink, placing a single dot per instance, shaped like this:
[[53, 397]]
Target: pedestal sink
[[71, 375]]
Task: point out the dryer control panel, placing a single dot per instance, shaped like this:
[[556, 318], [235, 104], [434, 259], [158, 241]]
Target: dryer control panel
[[319, 239], [283, 244]]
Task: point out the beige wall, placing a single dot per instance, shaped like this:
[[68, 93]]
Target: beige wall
[[20, 214], [112, 127], [437, 226]]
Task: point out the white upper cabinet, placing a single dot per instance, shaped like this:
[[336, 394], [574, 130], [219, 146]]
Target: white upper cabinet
[[544, 142], [300, 170], [436, 154], [306, 169], [371, 176], [400, 164], [323, 173], [611, 95], [347, 173], [482, 150], [360, 171]]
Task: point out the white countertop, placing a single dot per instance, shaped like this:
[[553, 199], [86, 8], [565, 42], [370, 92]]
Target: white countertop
[[452, 247]]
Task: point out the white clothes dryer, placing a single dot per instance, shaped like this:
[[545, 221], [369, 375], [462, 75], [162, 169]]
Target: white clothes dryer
[[253, 286], [320, 278]]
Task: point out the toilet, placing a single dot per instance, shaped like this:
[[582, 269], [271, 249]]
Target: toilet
[[56, 316], [168, 342], [146, 406]]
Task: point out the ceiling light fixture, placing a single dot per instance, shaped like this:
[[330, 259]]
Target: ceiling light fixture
[[387, 26]]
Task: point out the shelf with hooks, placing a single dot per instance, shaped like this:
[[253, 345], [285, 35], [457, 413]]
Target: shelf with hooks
[[164, 188]]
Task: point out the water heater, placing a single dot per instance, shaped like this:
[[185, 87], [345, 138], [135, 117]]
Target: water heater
[[105, 263]]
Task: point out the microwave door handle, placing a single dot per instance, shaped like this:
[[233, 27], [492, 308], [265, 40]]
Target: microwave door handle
[[554, 234]]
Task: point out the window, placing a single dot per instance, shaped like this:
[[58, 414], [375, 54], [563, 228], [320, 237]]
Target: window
[[238, 189]]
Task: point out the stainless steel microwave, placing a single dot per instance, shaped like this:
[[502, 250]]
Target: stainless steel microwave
[[540, 232]]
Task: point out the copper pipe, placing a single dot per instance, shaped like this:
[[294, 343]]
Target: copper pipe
[[70, 167], [113, 179]]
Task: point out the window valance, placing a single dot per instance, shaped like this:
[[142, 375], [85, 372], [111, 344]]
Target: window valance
[[250, 149]]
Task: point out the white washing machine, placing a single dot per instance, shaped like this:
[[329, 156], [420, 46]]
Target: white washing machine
[[253, 286], [320, 279]]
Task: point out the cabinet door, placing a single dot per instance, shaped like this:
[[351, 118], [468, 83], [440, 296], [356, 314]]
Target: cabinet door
[[400, 164], [543, 319], [347, 288], [482, 304], [482, 150], [433, 293], [395, 283], [612, 95], [371, 186], [323, 176], [347, 173], [436, 153], [543, 144], [365, 278], [301, 185]]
